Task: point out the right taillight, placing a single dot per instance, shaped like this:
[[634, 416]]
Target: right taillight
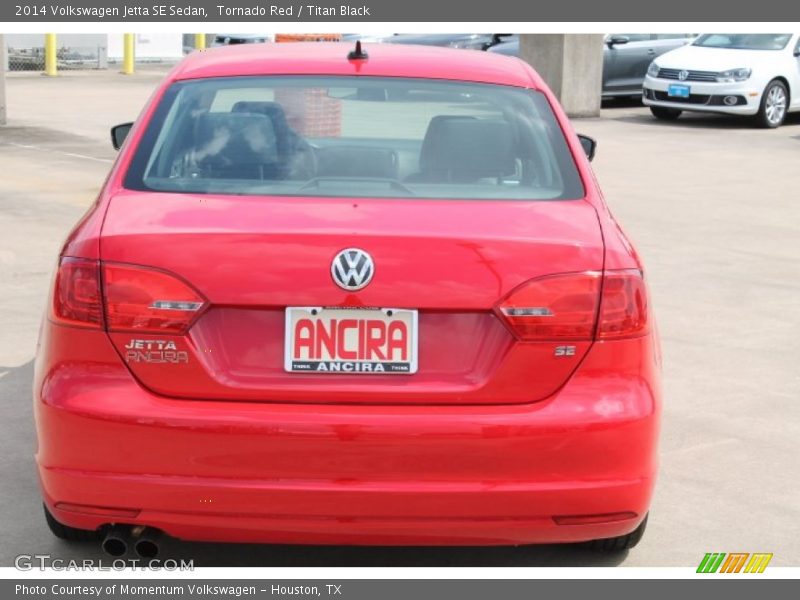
[[624, 310], [578, 307], [554, 308]]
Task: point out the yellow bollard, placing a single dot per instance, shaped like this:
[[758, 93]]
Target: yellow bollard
[[200, 41], [128, 53], [50, 55]]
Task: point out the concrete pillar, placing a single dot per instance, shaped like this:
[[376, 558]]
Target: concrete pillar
[[3, 68], [572, 65]]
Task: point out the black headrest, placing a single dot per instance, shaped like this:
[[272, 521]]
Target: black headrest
[[288, 140], [273, 110], [467, 148], [236, 138]]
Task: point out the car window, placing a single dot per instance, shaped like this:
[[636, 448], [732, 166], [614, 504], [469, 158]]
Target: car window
[[354, 136], [674, 36], [633, 37], [744, 41]]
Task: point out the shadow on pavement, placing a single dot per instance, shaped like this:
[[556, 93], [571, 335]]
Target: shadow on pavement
[[245, 555], [25, 531], [689, 120], [623, 102]]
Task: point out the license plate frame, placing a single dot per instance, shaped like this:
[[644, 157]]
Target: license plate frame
[[363, 347]]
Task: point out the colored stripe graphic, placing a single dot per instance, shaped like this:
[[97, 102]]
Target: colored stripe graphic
[[758, 562], [711, 562], [734, 562]]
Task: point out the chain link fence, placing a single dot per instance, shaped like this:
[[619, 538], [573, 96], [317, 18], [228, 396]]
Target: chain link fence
[[26, 52]]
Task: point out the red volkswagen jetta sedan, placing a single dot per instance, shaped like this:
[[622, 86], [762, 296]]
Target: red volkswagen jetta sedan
[[340, 296]]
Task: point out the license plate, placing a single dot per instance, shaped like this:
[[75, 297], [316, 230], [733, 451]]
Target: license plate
[[363, 341], [678, 91]]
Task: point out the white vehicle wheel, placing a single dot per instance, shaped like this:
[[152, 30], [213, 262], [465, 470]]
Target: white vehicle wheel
[[773, 105]]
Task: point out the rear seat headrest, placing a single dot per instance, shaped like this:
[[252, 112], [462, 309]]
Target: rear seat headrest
[[273, 110], [244, 138], [467, 148]]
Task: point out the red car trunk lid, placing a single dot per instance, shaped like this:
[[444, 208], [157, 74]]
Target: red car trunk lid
[[251, 257]]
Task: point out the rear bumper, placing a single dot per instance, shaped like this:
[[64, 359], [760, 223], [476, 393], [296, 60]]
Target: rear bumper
[[228, 471], [500, 517]]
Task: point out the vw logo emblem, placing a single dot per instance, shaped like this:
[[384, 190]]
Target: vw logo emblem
[[683, 75], [352, 269]]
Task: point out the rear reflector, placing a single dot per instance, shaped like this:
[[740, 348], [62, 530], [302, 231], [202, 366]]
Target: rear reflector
[[588, 519], [141, 299], [76, 293], [566, 307], [103, 511]]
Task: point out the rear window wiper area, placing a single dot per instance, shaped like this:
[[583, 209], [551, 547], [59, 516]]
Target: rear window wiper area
[[319, 182]]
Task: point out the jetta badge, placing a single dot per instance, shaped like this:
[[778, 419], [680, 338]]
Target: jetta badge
[[683, 75], [352, 269]]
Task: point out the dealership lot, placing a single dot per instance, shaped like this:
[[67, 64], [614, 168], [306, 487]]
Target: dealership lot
[[710, 203]]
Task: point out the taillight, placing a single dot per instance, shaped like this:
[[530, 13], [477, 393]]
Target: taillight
[[623, 311], [76, 293], [141, 299], [558, 307], [578, 307]]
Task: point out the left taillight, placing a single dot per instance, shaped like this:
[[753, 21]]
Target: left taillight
[[77, 298], [123, 297], [143, 299]]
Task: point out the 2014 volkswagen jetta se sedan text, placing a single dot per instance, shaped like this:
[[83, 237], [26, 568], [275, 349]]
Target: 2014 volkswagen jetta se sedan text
[[349, 296]]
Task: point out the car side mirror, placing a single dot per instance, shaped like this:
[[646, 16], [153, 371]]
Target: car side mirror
[[617, 40], [797, 53], [589, 145], [119, 133], [498, 37]]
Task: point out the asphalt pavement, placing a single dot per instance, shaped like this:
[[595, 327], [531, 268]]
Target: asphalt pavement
[[710, 202]]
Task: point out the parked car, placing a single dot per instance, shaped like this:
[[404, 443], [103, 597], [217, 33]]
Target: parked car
[[755, 74], [506, 47], [303, 312], [468, 41], [228, 39], [626, 57], [373, 38]]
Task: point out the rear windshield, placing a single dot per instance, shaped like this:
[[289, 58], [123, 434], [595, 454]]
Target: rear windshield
[[744, 41], [355, 137]]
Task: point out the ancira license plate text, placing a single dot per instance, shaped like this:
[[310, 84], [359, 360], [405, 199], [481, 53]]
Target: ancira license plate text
[[334, 341]]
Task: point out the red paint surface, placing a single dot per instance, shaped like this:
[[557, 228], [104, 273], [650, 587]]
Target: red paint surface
[[488, 443]]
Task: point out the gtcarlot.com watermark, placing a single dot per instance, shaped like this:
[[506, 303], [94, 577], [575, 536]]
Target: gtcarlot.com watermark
[[42, 562]]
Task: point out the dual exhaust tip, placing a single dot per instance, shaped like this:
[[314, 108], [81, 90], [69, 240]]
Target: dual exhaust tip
[[146, 542]]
